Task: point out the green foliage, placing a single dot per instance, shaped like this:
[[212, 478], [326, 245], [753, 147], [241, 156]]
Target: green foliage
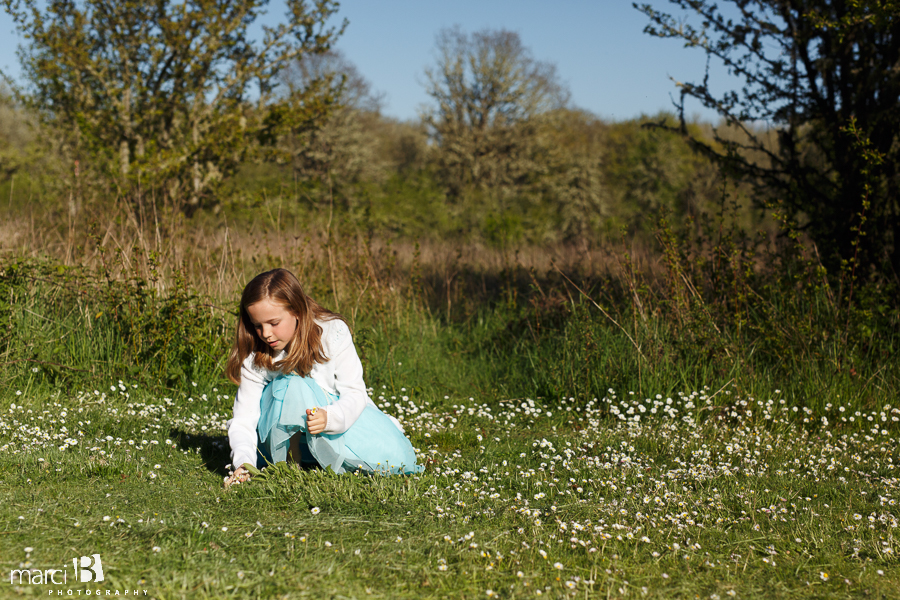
[[720, 306], [523, 169], [12, 279], [94, 322], [487, 89], [490, 97], [807, 70], [16, 136], [649, 169], [522, 166], [156, 96]]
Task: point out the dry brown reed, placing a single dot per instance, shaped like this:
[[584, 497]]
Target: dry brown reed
[[217, 257]]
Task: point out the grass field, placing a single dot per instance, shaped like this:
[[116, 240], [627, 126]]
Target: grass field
[[707, 494], [696, 438]]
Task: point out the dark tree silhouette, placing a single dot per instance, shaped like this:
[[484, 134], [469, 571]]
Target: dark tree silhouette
[[825, 74]]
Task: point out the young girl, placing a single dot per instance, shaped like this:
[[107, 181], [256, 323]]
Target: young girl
[[301, 394]]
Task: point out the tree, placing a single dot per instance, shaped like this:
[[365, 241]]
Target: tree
[[825, 74], [340, 150], [16, 139], [651, 169], [164, 96], [489, 92]]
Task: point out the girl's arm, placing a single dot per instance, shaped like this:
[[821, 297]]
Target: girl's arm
[[242, 428], [348, 375]]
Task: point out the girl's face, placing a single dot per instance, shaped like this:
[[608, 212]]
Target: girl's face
[[273, 323]]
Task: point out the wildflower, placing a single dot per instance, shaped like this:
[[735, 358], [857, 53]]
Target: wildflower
[[823, 575], [315, 510], [442, 568], [558, 566], [570, 585], [156, 548]]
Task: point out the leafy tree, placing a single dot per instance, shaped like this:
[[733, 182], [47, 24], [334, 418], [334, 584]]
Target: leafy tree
[[167, 97], [572, 187], [16, 138], [825, 74], [488, 93], [341, 150], [649, 170]]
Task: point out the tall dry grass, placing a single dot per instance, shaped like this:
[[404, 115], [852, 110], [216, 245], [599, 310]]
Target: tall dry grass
[[706, 306]]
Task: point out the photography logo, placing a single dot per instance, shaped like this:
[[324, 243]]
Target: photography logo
[[91, 568], [87, 569]]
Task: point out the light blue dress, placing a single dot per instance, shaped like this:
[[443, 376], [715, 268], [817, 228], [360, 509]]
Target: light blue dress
[[373, 444]]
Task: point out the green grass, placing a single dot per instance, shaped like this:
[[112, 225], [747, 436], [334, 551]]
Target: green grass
[[759, 462], [746, 499]]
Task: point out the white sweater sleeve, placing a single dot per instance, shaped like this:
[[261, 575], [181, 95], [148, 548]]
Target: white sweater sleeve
[[348, 375], [242, 427]]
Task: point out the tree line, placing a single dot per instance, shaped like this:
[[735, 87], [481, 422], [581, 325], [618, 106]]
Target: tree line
[[172, 103]]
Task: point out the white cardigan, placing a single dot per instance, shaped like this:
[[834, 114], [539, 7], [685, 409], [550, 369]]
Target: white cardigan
[[342, 376]]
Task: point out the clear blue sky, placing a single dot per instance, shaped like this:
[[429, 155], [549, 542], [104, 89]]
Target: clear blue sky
[[612, 68]]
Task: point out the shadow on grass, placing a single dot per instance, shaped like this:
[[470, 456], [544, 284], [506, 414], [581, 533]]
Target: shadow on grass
[[213, 449]]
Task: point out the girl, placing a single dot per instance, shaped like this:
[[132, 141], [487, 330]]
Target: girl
[[301, 394]]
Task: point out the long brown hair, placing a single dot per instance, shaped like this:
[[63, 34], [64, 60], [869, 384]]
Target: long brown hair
[[280, 287]]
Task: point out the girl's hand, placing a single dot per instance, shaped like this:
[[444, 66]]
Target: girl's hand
[[316, 420], [240, 475]]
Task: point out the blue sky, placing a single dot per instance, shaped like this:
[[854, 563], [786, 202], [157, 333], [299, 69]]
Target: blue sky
[[612, 68]]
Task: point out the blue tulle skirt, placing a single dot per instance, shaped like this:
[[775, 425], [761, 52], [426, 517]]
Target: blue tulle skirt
[[373, 444]]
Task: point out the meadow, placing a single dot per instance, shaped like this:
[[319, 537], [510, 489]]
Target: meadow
[[594, 423], [650, 358]]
